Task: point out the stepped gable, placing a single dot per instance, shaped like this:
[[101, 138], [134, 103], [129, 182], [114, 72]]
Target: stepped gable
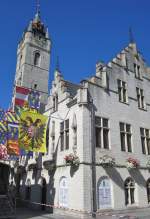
[[71, 88]]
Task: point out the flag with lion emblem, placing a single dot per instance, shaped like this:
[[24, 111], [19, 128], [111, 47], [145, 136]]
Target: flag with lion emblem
[[32, 131]]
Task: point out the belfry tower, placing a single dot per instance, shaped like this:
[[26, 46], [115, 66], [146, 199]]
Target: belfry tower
[[33, 58]]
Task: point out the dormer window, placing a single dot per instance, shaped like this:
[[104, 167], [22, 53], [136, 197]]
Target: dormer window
[[137, 68], [137, 71], [37, 59]]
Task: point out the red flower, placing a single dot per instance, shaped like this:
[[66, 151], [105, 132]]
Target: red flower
[[135, 162], [3, 152]]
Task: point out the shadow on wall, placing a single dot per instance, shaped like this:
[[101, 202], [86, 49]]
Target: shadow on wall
[[73, 169], [137, 176], [51, 173], [115, 176]]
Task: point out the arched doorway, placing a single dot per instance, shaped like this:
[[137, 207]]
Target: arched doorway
[[148, 190], [63, 192], [104, 193], [129, 186], [43, 192]]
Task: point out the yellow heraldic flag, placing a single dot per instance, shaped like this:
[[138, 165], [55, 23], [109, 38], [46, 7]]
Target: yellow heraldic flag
[[32, 131]]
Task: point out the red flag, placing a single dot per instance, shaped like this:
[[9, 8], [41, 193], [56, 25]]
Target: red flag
[[21, 97]]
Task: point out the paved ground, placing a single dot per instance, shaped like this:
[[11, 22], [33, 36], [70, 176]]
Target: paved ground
[[132, 214]]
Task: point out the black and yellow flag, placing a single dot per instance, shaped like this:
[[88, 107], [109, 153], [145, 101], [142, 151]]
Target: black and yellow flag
[[32, 131]]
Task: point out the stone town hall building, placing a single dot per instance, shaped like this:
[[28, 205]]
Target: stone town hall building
[[106, 114]]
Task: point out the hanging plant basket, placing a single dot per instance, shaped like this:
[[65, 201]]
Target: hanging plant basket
[[72, 159], [3, 152], [107, 161], [132, 163]]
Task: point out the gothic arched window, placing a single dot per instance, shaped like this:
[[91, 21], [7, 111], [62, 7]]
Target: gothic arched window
[[63, 192], [129, 191], [36, 58], [104, 193]]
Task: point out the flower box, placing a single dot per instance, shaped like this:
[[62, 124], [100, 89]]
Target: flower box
[[132, 163], [3, 152], [107, 161], [72, 159]]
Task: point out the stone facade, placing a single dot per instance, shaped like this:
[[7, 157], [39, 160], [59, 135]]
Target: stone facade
[[105, 116]]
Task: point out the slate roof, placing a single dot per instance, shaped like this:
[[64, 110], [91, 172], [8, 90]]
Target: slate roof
[[71, 87]]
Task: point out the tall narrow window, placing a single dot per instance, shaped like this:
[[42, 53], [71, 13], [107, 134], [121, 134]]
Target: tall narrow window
[[122, 91], [148, 190], [37, 59], [140, 98], [52, 134], [64, 135], [129, 191], [135, 68], [74, 128], [102, 132], [145, 140], [67, 133], [137, 71], [55, 102], [20, 61], [47, 138], [125, 136]]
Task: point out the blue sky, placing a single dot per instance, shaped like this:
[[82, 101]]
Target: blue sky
[[82, 32]]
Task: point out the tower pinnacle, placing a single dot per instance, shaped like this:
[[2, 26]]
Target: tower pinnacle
[[38, 6], [131, 37], [57, 64], [38, 13]]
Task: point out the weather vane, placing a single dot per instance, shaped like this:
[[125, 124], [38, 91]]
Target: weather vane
[[131, 37], [38, 6], [57, 63]]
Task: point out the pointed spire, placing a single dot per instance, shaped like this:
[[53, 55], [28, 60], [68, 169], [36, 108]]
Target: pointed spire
[[57, 64], [131, 37], [57, 69]]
